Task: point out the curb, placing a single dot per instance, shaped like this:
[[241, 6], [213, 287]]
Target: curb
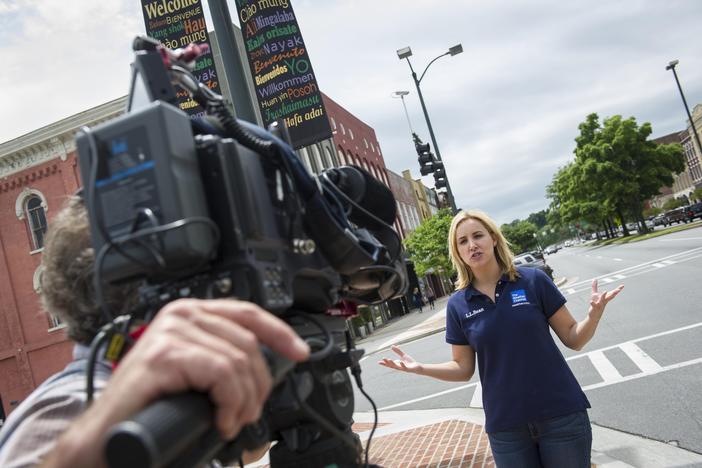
[[602, 460]]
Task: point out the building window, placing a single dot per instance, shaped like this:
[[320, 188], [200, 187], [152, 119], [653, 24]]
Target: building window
[[333, 122], [343, 130], [31, 208], [54, 321], [365, 142], [351, 133], [342, 159]]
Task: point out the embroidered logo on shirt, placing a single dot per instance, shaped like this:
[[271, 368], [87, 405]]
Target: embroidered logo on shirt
[[474, 312], [519, 298]]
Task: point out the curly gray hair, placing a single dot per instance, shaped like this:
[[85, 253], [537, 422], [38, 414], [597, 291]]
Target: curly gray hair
[[67, 288]]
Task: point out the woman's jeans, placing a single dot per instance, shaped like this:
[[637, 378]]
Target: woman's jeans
[[561, 442]]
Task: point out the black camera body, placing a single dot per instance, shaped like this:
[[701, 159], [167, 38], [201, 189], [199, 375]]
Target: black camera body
[[220, 208]]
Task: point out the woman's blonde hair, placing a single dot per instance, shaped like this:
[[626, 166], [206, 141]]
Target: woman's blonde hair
[[503, 254]]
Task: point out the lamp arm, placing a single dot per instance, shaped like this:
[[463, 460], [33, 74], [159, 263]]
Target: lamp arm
[[427, 68]]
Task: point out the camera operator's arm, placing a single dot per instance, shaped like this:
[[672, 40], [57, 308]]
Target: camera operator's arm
[[206, 345], [458, 369]]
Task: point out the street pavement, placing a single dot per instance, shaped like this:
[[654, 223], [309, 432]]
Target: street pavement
[[456, 437]]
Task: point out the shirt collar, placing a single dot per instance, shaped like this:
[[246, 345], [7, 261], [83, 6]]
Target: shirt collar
[[471, 291]]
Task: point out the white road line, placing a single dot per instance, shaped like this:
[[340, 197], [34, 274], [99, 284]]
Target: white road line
[[659, 265], [570, 291], [669, 262], [638, 273], [429, 397], [644, 362], [619, 277], [606, 369], [687, 252], [607, 280], [617, 259], [477, 400], [679, 365]]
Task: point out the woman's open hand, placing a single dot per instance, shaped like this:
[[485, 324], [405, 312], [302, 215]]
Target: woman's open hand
[[406, 363]]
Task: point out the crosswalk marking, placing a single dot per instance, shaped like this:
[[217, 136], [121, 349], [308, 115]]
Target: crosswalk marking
[[605, 368], [477, 400], [645, 362]]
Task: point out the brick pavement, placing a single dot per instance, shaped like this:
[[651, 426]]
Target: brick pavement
[[450, 443]]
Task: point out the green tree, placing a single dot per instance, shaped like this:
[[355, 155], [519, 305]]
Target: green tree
[[615, 169], [520, 235], [427, 246], [696, 195], [673, 203]]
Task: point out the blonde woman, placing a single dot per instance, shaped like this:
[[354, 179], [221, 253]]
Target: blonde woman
[[535, 410]]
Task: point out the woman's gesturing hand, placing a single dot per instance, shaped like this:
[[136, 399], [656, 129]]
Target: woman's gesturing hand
[[598, 300], [406, 363]]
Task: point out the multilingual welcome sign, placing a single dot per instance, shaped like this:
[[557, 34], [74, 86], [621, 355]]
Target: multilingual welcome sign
[[177, 23], [285, 85]]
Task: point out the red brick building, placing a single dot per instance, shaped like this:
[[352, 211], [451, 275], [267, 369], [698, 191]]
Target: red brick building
[[37, 172]]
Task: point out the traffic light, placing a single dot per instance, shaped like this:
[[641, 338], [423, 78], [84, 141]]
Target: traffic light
[[426, 159], [439, 175]]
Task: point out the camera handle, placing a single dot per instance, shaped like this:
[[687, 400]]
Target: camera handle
[[168, 428]]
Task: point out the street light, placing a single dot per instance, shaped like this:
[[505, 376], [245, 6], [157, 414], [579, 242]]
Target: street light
[[671, 66], [401, 95], [405, 53]]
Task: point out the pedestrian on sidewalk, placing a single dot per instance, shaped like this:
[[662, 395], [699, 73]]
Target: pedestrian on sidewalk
[[535, 410], [430, 297], [417, 298]]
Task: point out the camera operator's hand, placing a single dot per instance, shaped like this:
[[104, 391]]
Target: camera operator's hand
[[206, 345]]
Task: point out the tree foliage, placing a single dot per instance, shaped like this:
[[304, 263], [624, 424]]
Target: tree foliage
[[427, 246], [521, 235], [615, 169]]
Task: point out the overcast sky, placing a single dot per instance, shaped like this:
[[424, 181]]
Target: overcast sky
[[505, 111]]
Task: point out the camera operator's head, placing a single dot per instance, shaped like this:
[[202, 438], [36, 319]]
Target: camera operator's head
[[67, 288]]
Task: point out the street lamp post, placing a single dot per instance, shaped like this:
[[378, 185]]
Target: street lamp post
[[406, 53], [401, 95], [671, 66]]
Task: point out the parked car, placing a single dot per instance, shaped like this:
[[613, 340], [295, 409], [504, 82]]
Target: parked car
[[659, 220], [694, 211], [529, 260], [678, 215], [551, 249]]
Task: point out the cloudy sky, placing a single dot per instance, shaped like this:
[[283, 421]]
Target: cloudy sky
[[505, 111]]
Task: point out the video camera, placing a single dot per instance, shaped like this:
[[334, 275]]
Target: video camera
[[212, 207]]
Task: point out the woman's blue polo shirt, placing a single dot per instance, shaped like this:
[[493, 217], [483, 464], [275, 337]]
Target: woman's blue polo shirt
[[523, 373]]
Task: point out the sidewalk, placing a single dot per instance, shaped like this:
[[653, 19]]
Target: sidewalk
[[455, 436]]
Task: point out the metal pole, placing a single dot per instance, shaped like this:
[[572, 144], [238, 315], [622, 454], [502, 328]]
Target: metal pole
[[234, 72], [433, 138], [687, 109], [402, 96]]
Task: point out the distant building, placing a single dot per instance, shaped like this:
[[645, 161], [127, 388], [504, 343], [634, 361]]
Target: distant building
[[691, 177], [407, 211]]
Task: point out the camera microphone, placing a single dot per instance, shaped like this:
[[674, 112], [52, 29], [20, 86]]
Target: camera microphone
[[364, 189]]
